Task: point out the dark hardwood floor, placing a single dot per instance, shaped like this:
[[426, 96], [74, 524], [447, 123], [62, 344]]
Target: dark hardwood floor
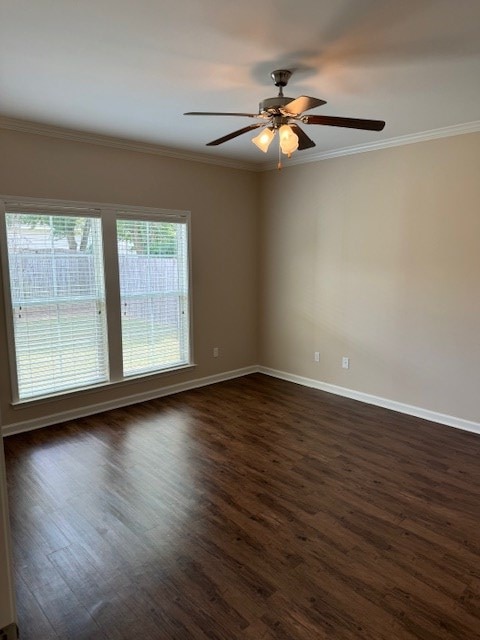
[[252, 509]]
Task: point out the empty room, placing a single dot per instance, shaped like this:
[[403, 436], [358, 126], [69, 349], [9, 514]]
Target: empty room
[[239, 320]]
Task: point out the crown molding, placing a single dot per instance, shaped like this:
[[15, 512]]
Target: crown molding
[[423, 136], [25, 126]]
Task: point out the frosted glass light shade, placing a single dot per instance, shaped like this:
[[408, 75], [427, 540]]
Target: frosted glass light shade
[[288, 140], [263, 140]]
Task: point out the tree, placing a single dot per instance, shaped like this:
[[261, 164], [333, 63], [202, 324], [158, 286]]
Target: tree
[[67, 227], [141, 236], [146, 238]]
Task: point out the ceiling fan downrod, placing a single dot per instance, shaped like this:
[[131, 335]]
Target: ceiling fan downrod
[[271, 106]]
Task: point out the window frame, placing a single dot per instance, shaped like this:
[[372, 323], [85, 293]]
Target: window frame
[[108, 215]]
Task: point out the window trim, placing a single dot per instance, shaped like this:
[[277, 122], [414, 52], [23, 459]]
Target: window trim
[[108, 214]]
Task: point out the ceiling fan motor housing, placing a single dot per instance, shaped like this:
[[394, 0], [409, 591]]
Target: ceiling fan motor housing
[[272, 105]]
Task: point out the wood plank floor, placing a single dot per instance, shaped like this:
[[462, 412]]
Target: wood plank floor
[[252, 509]]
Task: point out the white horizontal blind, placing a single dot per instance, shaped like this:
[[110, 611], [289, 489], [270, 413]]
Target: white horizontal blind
[[58, 302], [153, 271]]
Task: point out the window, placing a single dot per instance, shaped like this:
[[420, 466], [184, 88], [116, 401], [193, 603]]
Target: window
[[153, 294], [58, 302], [70, 299]]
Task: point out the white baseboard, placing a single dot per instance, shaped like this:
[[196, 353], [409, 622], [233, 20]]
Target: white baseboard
[[400, 407], [419, 412], [82, 412]]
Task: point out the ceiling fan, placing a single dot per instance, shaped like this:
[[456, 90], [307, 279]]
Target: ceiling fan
[[283, 114]]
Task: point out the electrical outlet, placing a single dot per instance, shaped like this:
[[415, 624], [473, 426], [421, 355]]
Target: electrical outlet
[[345, 362], [316, 356], [216, 351]]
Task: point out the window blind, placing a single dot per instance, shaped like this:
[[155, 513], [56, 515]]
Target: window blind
[[153, 270], [58, 302]]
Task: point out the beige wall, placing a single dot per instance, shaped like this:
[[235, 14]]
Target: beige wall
[[224, 207], [376, 256]]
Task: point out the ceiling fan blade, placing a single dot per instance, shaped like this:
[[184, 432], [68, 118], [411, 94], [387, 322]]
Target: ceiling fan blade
[[214, 113], [235, 134], [351, 123], [301, 104], [304, 142]]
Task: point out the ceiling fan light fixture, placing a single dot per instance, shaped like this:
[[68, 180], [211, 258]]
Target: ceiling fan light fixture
[[264, 139], [288, 140]]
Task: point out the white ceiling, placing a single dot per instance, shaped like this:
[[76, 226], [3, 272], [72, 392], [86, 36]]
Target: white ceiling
[[130, 68]]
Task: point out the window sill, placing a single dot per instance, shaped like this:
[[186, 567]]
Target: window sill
[[73, 393]]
